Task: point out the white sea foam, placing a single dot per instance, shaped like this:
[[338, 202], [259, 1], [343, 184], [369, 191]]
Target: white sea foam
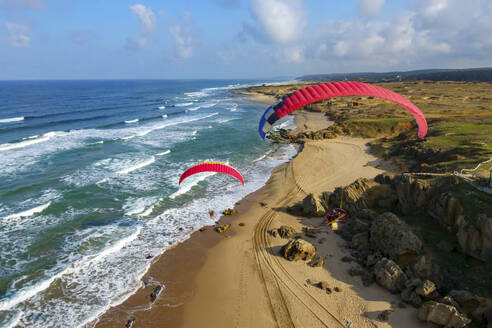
[[209, 105], [15, 320], [196, 94], [17, 145], [194, 108], [138, 166], [163, 153], [184, 104], [30, 212], [12, 119], [30, 291], [31, 137], [164, 116], [263, 156], [128, 138], [162, 107], [132, 121], [141, 134]]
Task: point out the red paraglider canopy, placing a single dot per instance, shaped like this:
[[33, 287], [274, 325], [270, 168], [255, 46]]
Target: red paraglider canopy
[[212, 167], [318, 92]]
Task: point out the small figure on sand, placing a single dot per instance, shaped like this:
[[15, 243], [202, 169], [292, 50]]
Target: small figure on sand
[[211, 213]]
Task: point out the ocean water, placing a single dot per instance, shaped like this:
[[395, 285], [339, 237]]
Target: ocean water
[[89, 185]]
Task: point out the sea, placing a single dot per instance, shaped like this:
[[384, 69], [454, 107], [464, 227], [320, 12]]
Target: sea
[[89, 190]]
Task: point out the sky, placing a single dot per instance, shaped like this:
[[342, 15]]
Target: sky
[[167, 39]]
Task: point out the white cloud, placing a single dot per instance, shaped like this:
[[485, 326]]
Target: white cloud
[[18, 34], [282, 20], [370, 7], [148, 23], [184, 42], [146, 17]]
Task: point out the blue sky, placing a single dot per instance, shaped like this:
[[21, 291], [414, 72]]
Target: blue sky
[[75, 39]]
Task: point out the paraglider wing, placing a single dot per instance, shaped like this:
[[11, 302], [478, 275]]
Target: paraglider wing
[[212, 167], [322, 91]]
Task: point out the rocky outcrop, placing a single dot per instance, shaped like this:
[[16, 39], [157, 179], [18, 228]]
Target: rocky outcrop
[[354, 196], [392, 237], [475, 238], [298, 249], [413, 194], [447, 210], [443, 315], [389, 275], [230, 211], [311, 206], [478, 308]]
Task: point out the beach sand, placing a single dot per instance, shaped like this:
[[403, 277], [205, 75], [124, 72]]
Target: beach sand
[[238, 279]]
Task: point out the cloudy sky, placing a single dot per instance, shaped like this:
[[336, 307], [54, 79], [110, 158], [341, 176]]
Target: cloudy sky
[[71, 39]]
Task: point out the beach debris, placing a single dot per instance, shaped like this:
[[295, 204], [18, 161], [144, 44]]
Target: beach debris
[[384, 315], [311, 206], [230, 211], [349, 324], [338, 289], [317, 261], [322, 285], [155, 293], [202, 229], [212, 167], [286, 231], [222, 228], [241, 224], [443, 315], [129, 323], [148, 257], [328, 290], [298, 249]]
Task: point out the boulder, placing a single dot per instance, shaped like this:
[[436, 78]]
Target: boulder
[[392, 237], [384, 315], [317, 261], [409, 294], [298, 249], [222, 228], [443, 315], [230, 211], [311, 206], [426, 288], [389, 275], [286, 231]]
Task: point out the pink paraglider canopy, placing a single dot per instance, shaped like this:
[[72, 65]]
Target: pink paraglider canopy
[[212, 167], [318, 92]]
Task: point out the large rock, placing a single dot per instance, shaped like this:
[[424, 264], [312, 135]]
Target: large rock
[[443, 315], [298, 249], [475, 238], [286, 231], [479, 308], [311, 206], [389, 275], [391, 236], [426, 288]]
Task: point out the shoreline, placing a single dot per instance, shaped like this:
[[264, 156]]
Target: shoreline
[[230, 280]]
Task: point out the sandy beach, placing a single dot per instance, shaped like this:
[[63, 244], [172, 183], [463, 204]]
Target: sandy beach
[[238, 279]]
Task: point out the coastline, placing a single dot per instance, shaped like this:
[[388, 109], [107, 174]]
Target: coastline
[[235, 278]]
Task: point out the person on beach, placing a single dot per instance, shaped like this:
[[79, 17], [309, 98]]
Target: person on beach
[[211, 213]]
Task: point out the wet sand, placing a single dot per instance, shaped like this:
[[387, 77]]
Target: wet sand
[[237, 279]]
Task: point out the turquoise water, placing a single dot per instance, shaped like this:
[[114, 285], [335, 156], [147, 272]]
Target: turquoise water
[[89, 185]]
